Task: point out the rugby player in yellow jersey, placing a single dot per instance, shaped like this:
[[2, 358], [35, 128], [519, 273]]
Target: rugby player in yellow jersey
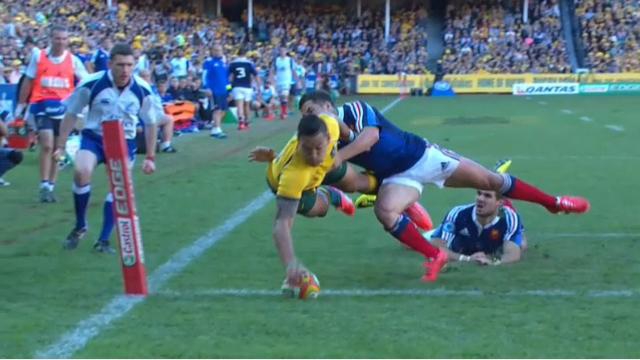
[[296, 175]]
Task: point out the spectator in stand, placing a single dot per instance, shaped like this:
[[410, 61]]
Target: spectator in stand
[[489, 36], [610, 34]]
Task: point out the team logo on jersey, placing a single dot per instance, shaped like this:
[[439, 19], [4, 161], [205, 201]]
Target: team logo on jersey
[[449, 227], [444, 165], [464, 232], [495, 235]]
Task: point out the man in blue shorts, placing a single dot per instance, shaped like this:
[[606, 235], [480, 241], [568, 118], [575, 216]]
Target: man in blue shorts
[[112, 94], [216, 79]]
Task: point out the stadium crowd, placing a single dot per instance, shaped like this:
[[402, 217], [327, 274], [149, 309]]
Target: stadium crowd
[[502, 42], [474, 43], [353, 45], [610, 34], [162, 37]]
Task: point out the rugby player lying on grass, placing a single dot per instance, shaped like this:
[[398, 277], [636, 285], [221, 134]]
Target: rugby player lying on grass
[[488, 232]]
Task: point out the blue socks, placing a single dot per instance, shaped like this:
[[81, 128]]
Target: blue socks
[[107, 220], [81, 196]]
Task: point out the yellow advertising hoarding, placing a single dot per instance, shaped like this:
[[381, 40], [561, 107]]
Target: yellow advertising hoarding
[[390, 84], [503, 83]]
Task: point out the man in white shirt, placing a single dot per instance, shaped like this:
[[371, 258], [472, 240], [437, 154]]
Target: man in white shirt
[[112, 94], [180, 65], [50, 78], [285, 76]]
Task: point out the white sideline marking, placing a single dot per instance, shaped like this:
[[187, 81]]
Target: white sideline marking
[[616, 128], [542, 102], [567, 111], [586, 119], [439, 292], [90, 327], [391, 105], [119, 306]]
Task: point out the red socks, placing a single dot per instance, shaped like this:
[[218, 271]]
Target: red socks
[[407, 232], [520, 190]]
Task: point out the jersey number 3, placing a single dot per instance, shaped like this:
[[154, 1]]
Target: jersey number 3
[[241, 73]]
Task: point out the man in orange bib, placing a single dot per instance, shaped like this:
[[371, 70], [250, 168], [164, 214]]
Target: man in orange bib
[[50, 79]]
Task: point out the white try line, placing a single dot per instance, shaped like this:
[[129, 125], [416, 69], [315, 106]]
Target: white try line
[[438, 292], [616, 128], [87, 329], [559, 157], [586, 119], [567, 111], [586, 235]]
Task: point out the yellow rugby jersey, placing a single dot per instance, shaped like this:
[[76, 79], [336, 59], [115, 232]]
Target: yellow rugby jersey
[[289, 175]]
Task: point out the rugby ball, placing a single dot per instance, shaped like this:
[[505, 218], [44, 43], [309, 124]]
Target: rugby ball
[[309, 288]]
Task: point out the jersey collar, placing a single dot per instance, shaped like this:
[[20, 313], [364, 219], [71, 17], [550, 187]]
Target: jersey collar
[[341, 113], [113, 83], [478, 225]]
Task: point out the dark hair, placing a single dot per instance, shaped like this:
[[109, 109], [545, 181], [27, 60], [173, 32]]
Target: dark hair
[[318, 96], [120, 49], [311, 125], [57, 27]]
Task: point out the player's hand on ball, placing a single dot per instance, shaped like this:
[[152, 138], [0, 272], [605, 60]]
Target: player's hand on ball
[[262, 154], [149, 166], [301, 284]]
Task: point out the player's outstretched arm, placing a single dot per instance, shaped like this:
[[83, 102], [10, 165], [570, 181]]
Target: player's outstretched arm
[[262, 154], [452, 255], [287, 209], [362, 143]]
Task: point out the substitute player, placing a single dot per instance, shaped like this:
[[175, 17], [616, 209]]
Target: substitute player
[[405, 162], [285, 74], [216, 78], [267, 102], [112, 94], [243, 74], [50, 79], [295, 176]]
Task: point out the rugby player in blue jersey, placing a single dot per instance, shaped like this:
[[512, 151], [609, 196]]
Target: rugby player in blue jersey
[[405, 162], [486, 232]]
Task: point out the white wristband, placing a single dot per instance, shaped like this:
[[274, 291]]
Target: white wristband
[[464, 258]]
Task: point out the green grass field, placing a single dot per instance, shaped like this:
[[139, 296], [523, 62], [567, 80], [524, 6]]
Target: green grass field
[[574, 295]]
